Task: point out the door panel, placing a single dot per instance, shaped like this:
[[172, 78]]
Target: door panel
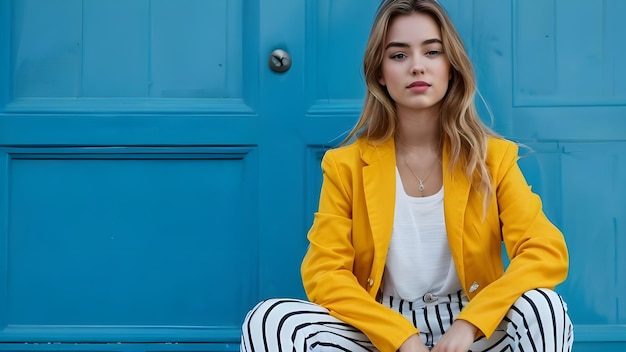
[[548, 70], [106, 238], [157, 49], [336, 33]]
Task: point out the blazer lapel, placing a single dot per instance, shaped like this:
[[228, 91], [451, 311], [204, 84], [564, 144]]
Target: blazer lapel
[[379, 183], [456, 194]]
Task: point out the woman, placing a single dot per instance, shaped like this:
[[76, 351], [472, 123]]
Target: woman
[[405, 250]]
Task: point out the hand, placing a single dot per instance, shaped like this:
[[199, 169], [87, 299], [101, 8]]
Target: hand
[[413, 344], [458, 338]]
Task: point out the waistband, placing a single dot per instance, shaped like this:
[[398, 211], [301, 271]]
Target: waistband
[[428, 299]]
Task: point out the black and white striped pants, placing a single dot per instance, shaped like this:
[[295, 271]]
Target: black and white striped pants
[[536, 322]]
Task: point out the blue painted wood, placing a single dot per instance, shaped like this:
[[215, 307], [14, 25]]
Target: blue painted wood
[[549, 46], [601, 237], [111, 244], [171, 212], [46, 48], [157, 179], [120, 51], [603, 346], [532, 59], [5, 49], [335, 46]]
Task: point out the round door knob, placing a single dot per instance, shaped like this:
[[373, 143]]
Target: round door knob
[[279, 61]]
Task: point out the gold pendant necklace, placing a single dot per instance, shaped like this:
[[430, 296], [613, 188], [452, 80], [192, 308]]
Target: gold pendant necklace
[[420, 185]]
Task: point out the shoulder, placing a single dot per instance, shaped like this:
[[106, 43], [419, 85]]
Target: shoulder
[[497, 146], [340, 164], [348, 155], [345, 150], [502, 155], [349, 162], [501, 150]]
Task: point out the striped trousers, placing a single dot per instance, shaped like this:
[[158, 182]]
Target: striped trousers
[[536, 322]]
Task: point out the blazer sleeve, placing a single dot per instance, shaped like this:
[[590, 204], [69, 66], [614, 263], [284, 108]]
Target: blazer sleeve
[[327, 269], [536, 248]]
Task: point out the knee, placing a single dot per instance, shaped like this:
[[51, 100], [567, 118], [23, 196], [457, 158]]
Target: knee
[[274, 310], [539, 316], [275, 322], [542, 297], [262, 309], [540, 301]]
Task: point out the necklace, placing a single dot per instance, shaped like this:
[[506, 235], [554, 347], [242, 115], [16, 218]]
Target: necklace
[[420, 185]]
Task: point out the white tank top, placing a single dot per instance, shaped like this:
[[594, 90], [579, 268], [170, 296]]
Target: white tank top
[[419, 259]]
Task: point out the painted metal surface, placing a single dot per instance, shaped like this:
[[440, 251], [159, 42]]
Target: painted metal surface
[[158, 179]]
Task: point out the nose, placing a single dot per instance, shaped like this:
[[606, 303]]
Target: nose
[[417, 67]]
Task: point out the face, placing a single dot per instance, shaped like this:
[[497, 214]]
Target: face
[[415, 69]]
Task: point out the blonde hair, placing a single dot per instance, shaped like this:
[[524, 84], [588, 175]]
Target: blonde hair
[[462, 128]]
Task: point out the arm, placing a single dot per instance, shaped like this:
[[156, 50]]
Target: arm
[[328, 267], [535, 246], [414, 344]]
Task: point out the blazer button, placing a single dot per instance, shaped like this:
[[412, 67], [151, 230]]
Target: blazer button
[[474, 287], [370, 281]]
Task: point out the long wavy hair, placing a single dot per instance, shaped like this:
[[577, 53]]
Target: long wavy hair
[[461, 127]]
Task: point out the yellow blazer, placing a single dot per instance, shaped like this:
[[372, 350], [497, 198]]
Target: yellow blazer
[[343, 268]]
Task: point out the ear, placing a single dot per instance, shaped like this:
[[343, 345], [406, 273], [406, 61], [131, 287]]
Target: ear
[[381, 80]]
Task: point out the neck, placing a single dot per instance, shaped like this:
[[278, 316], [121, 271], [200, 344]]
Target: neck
[[419, 129], [421, 132]]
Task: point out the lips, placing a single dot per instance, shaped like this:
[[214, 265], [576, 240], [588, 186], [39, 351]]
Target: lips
[[418, 84]]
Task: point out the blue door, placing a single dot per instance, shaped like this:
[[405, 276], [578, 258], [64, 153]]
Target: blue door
[[157, 178], [152, 170], [552, 73]]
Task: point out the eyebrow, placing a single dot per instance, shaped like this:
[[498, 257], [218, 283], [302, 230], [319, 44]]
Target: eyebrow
[[405, 45]]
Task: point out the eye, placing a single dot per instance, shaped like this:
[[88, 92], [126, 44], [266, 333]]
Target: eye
[[433, 53], [398, 56]]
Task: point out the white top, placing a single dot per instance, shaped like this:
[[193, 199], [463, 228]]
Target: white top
[[419, 259]]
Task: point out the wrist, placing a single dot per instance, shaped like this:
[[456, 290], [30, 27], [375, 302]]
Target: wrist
[[413, 344], [468, 326]]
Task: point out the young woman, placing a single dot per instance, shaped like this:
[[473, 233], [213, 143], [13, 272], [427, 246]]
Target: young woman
[[405, 250]]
